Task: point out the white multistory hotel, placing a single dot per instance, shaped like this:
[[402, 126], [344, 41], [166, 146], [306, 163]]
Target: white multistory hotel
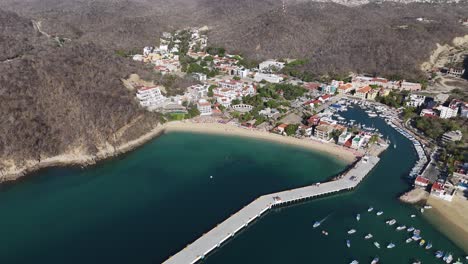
[[204, 107], [150, 97]]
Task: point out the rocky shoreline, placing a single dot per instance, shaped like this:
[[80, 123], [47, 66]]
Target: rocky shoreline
[[415, 196], [78, 159]]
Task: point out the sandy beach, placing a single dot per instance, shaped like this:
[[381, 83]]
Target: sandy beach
[[451, 218], [341, 153], [77, 157]]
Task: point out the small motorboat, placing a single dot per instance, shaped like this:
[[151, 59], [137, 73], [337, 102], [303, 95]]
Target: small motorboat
[[429, 245], [380, 213], [399, 228], [376, 244], [325, 232], [370, 209], [417, 262], [410, 229], [316, 224], [351, 231], [427, 207], [413, 216], [348, 243], [448, 258], [416, 237], [375, 260], [368, 236], [391, 245], [439, 254], [421, 243], [409, 240], [354, 262], [391, 222], [358, 217], [416, 232]]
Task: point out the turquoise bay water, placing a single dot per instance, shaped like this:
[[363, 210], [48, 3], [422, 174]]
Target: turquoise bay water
[[147, 205]]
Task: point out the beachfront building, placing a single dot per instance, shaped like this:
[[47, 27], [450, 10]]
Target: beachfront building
[[204, 107], [281, 128], [362, 92], [345, 88], [372, 94], [150, 97], [421, 181], [344, 137], [271, 78], [442, 191], [323, 132], [358, 142]]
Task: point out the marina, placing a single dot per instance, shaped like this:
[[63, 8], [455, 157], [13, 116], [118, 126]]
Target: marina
[[228, 228], [422, 156]]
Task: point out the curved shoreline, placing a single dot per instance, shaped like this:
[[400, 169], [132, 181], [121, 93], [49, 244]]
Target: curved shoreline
[[79, 159]]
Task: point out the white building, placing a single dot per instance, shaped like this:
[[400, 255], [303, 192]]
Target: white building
[[271, 78], [344, 137], [448, 112], [199, 76], [150, 97], [197, 92], [270, 66], [416, 100], [204, 107]]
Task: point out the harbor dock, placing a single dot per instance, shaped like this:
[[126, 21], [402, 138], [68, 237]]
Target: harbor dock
[[228, 228]]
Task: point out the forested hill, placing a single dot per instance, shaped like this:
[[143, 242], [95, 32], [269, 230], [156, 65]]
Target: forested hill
[[57, 100], [383, 38]]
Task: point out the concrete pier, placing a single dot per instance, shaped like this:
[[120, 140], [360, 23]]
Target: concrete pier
[[229, 227]]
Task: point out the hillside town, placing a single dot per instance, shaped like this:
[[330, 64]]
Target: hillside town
[[264, 98]]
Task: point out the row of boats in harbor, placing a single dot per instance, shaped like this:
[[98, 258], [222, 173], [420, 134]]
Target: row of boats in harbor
[[415, 236], [422, 157]]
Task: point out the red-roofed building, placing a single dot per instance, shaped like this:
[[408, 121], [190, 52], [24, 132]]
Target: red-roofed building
[[311, 86], [313, 103], [313, 120], [421, 181], [281, 128], [362, 92], [345, 88], [442, 191], [324, 98], [348, 143]]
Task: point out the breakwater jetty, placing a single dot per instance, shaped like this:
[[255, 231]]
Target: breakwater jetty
[[228, 228]]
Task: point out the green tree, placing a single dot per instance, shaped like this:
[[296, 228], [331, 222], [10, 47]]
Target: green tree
[[291, 129]]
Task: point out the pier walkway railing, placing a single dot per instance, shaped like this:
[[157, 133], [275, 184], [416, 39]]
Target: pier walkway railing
[[229, 227]]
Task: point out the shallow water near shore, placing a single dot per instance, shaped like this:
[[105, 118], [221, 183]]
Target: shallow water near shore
[[150, 203]]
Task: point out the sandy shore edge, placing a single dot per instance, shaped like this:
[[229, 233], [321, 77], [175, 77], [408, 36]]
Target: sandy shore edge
[[450, 218], [79, 159]]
